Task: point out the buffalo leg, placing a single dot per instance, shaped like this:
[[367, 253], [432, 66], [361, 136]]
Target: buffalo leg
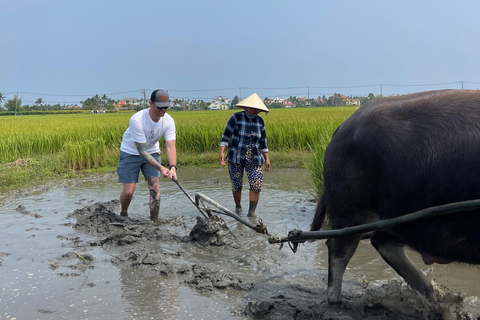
[[340, 251], [394, 254]]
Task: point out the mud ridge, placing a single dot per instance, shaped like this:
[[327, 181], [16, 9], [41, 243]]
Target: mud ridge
[[168, 249]]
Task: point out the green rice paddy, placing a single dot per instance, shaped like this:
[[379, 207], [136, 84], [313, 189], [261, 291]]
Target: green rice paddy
[[42, 146]]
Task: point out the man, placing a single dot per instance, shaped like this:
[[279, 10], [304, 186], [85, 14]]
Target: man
[[140, 151]]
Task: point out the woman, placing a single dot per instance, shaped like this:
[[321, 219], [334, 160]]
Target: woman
[[246, 139]]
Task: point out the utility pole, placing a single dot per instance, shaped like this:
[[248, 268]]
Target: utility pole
[[308, 96], [143, 91], [16, 103]]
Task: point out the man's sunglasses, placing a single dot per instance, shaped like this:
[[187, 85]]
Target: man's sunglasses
[[160, 108]]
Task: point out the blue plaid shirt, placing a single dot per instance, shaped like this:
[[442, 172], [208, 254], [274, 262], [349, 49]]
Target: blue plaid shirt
[[239, 133]]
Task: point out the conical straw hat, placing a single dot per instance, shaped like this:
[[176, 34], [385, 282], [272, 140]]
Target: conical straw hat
[[253, 101]]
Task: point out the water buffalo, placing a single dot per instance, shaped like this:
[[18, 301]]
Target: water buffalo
[[398, 155]]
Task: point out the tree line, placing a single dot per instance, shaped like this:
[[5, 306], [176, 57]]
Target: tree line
[[104, 102], [336, 100], [92, 103]]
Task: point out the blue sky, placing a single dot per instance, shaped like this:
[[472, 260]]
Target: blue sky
[[65, 51]]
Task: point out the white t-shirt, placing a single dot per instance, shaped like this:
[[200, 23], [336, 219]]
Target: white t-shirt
[[143, 129]]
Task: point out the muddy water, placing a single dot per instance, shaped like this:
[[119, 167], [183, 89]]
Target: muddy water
[[44, 275]]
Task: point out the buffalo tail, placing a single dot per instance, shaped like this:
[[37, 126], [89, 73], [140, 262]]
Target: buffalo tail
[[319, 214]]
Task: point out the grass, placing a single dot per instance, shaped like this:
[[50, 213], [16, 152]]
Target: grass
[[37, 148]]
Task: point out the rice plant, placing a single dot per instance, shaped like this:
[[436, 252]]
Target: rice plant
[[29, 136], [315, 168], [84, 141], [85, 154]]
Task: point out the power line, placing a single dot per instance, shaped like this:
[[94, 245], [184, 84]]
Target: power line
[[307, 92], [348, 87], [195, 90], [248, 88], [275, 88], [422, 85], [73, 95]]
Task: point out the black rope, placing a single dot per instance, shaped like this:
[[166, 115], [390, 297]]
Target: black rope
[[295, 236]]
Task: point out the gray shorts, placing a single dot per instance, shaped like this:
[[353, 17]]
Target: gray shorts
[[129, 166]]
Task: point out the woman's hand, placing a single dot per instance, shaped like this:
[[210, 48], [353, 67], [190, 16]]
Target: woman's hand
[[222, 156], [268, 166], [222, 159]]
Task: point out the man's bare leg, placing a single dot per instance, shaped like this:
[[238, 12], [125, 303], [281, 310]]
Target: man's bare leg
[[126, 197]]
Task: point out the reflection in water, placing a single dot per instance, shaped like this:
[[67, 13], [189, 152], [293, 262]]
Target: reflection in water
[[149, 296], [152, 296]]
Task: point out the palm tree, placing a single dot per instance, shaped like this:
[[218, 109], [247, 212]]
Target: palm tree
[[104, 100], [2, 98], [39, 102]]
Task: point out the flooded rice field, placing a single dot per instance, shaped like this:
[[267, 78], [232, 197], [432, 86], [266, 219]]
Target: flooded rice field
[[66, 254]]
